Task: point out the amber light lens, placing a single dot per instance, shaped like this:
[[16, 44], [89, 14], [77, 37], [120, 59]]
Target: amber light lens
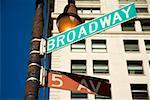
[[67, 22]]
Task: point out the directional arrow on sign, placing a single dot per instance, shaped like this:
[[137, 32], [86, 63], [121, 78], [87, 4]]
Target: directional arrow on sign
[[92, 27], [79, 83]]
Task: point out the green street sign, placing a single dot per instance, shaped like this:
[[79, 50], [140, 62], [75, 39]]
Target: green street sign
[[92, 27]]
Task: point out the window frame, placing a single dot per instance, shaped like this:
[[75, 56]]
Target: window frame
[[75, 46], [76, 62], [104, 70], [85, 95], [129, 1], [88, 10], [128, 26], [145, 25], [129, 44], [99, 97], [143, 8], [132, 66], [143, 90], [102, 43], [147, 45]]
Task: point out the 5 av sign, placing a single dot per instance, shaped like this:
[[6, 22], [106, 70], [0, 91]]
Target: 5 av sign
[[92, 27], [78, 83]]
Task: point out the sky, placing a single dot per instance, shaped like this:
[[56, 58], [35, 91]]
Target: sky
[[16, 28]]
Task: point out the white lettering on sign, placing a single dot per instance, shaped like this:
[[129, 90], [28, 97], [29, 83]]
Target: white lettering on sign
[[93, 25], [71, 34], [84, 85], [126, 12], [51, 44], [116, 17], [60, 40], [105, 21], [57, 78], [97, 86], [82, 32], [80, 87]]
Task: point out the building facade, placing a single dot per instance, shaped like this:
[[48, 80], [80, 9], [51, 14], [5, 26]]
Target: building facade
[[120, 54]]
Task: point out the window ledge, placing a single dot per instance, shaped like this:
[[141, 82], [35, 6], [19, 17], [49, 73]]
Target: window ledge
[[136, 52], [136, 75], [104, 74], [79, 99]]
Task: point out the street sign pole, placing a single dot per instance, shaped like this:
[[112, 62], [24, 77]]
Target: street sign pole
[[49, 27], [34, 66]]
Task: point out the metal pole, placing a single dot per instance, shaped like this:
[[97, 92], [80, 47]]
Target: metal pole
[[49, 26], [32, 82]]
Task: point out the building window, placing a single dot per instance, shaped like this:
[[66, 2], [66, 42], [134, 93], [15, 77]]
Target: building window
[[128, 26], [99, 46], [135, 67], [99, 97], [142, 10], [100, 66], [78, 46], [78, 66], [145, 25], [139, 91], [147, 45], [78, 95], [88, 10], [131, 45]]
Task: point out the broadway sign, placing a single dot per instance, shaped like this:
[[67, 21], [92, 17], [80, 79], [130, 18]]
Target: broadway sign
[[79, 83], [92, 27]]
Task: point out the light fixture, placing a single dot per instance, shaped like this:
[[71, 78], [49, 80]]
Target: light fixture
[[69, 18]]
